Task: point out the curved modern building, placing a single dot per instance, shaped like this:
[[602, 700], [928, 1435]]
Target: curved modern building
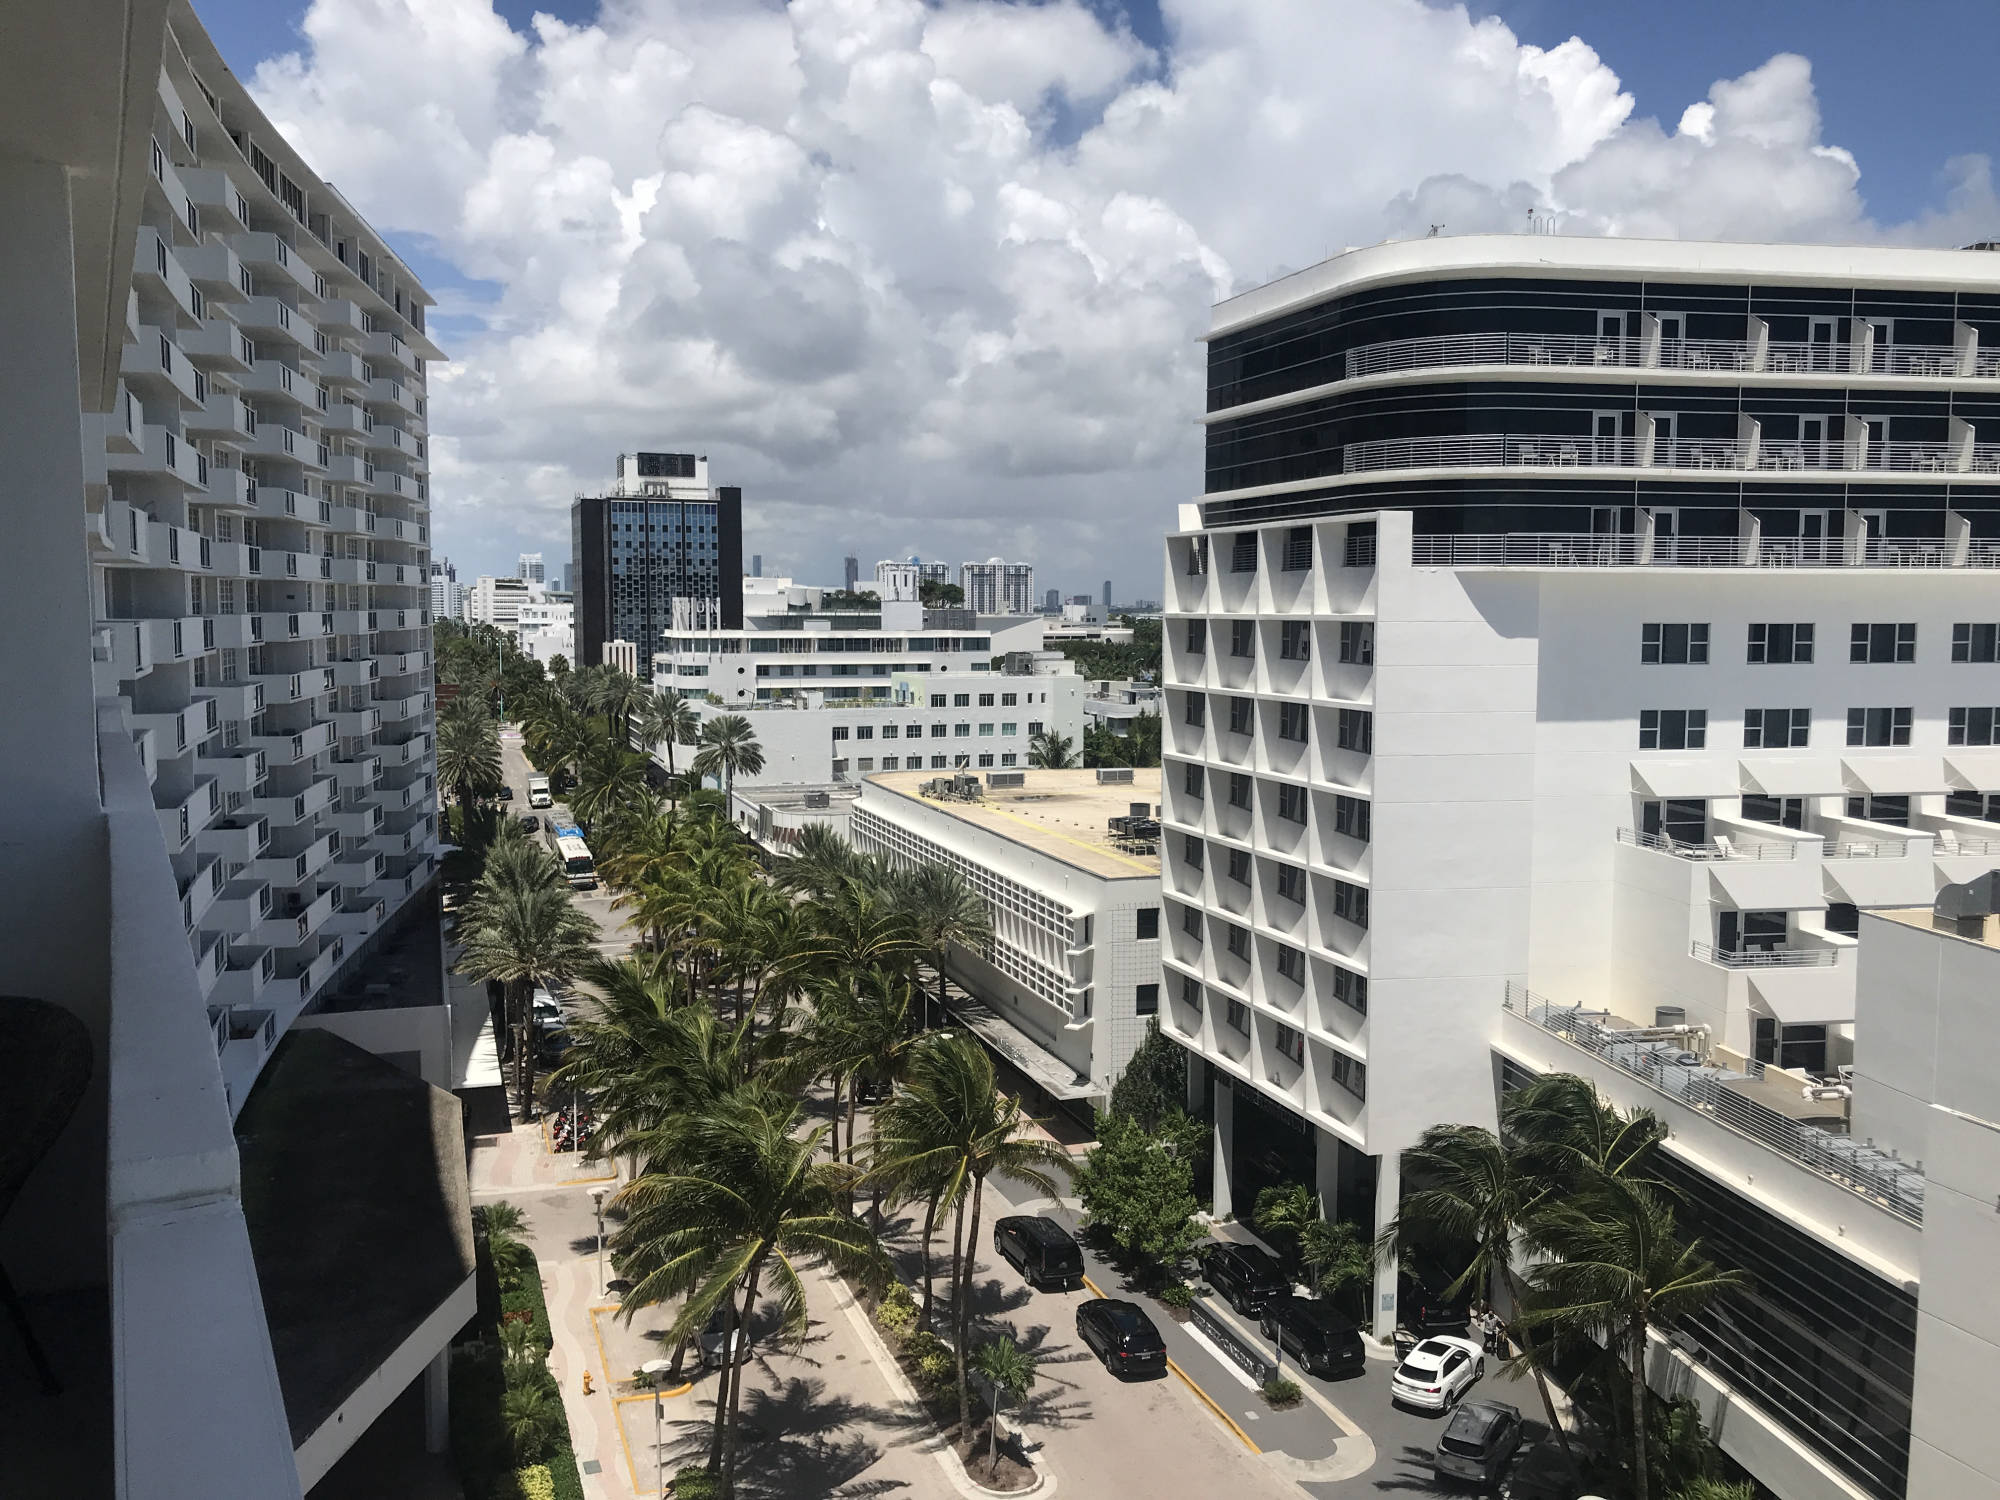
[[1572, 640]]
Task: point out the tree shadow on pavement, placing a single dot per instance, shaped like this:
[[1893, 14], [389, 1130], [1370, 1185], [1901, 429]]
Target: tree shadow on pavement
[[1413, 1475], [799, 1443]]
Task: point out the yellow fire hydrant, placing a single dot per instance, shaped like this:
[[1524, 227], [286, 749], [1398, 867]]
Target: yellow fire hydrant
[[586, 1382]]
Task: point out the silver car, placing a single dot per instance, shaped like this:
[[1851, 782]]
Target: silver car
[[1477, 1443]]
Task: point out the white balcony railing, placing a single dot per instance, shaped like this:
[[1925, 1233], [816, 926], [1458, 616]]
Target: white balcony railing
[[1763, 958], [1734, 849]]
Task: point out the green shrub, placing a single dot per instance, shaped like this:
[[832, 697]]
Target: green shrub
[[696, 1483], [1281, 1392], [937, 1368], [897, 1318], [900, 1294], [1179, 1296], [922, 1342], [535, 1483]]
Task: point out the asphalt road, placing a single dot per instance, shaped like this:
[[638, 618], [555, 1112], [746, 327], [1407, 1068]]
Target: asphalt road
[[615, 934]]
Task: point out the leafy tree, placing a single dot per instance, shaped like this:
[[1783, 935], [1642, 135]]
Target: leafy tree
[[1140, 1191], [1010, 1371], [533, 1413], [819, 860], [944, 911], [849, 599], [1334, 1255], [934, 593], [1155, 1082], [728, 747]]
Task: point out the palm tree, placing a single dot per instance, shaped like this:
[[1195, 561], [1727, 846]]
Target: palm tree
[[1617, 1269], [533, 1413], [747, 1198], [666, 718], [819, 859], [1050, 751], [962, 1131], [610, 781], [1477, 1190], [616, 691], [1010, 1371], [865, 1035], [1333, 1254], [525, 937], [468, 759], [944, 910], [728, 747]]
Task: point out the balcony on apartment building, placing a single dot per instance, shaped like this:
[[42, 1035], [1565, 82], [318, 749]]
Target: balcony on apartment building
[[1749, 450]]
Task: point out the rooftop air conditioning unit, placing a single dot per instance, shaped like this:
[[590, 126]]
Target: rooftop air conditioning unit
[[1006, 778], [1114, 776], [818, 799]]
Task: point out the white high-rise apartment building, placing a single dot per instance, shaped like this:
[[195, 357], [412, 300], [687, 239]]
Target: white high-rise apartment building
[[499, 601], [529, 568], [447, 593], [1602, 624], [995, 587], [219, 742]]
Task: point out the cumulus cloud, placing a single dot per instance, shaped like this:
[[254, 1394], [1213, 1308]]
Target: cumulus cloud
[[932, 276]]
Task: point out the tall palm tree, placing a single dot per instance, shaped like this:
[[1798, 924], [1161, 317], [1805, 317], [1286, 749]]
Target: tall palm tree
[[468, 759], [616, 693], [1010, 1371], [525, 937], [666, 718], [945, 910], [866, 1035], [610, 781], [1050, 751], [963, 1130], [728, 748], [747, 1199], [1617, 1270], [819, 859]]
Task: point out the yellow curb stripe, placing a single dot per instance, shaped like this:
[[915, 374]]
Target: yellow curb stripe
[[1200, 1394], [598, 1334], [579, 1181], [1209, 1402], [631, 1469]]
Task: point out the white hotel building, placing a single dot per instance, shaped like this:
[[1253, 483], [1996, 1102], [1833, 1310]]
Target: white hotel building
[[1604, 624], [219, 750]]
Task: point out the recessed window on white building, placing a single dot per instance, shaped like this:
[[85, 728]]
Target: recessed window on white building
[[1238, 1017], [1780, 644], [1776, 728], [1673, 645], [1975, 642], [1673, 728], [1356, 730], [1146, 999], [1882, 643], [1350, 1073], [1878, 726], [1351, 989], [1972, 726]]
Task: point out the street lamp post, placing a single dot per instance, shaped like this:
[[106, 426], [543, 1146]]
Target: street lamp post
[[597, 1198], [659, 1448]]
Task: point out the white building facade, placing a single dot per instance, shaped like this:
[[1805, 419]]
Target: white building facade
[[1592, 622], [498, 601], [995, 587], [1070, 982]]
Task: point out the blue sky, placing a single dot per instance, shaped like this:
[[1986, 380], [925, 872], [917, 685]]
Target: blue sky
[[1902, 109]]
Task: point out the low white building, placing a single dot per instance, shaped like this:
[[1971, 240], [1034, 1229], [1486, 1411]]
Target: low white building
[[1068, 865], [1115, 703], [547, 628], [498, 601]]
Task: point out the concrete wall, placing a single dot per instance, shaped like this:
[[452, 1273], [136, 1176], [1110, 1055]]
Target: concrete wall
[[422, 1030]]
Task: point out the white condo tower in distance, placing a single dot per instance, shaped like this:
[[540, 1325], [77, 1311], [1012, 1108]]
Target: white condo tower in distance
[[1573, 640]]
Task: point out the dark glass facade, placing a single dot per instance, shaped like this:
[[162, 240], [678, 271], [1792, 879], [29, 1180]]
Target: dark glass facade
[[632, 556]]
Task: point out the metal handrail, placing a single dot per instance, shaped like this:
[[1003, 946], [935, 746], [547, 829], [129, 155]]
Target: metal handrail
[[1862, 1170], [1491, 349], [1769, 958], [1526, 549], [1771, 850]]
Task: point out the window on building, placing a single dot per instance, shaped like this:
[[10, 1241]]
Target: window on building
[[1356, 730], [985, 700], [1878, 726], [840, 731], [1357, 642], [1975, 642], [1292, 884], [1191, 850], [889, 731], [1241, 712], [1007, 728], [1351, 990], [890, 763], [1350, 902], [1972, 726], [1191, 991], [1237, 1017], [986, 729], [1786, 812], [1982, 805], [1243, 552], [1292, 722], [1358, 550], [1781, 644], [1350, 1073], [1295, 640], [1242, 637], [1351, 816], [1197, 637], [1673, 645], [1298, 549], [1147, 999], [1147, 922], [1239, 941], [1239, 789], [1034, 726], [1007, 757], [938, 700], [1292, 963], [938, 762], [1239, 866], [1191, 780], [1894, 810], [961, 700], [1194, 712], [1292, 803], [1291, 1042], [939, 731], [961, 731], [1882, 643], [840, 768], [986, 759], [1673, 728], [1009, 700], [913, 731], [1775, 728], [1191, 915]]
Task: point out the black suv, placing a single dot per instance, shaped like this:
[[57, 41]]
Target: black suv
[[1325, 1341], [1477, 1442], [1246, 1276], [1041, 1250], [1121, 1335]]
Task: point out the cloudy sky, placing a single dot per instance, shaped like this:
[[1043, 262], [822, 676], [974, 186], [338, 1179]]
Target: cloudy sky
[[928, 278]]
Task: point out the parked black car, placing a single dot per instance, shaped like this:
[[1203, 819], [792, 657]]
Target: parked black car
[[1246, 1276], [1121, 1335], [506, 793], [1477, 1443], [1424, 1310], [530, 821], [1322, 1339], [1041, 1250]]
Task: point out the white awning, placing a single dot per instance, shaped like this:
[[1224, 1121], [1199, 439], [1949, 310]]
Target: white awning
[[1806, 997], [1704, 776], [1973, 770], [1893, 775], [1794, 776]]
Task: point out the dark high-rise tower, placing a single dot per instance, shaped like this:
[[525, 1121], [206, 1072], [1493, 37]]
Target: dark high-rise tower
[[661, 534]]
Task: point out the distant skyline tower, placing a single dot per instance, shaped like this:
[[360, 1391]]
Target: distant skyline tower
[[1107, 593], [852, 574], [529, 569], [756, 565], [1052, 601]]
